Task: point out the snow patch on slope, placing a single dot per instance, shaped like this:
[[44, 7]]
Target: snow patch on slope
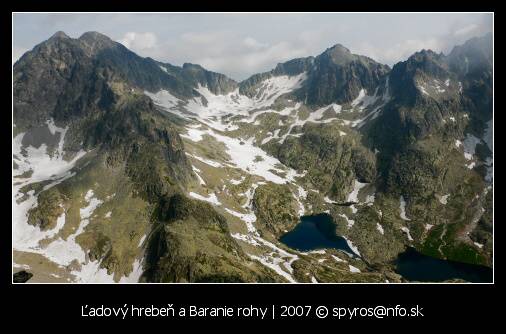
[[210, 199], [44, 168], [402, 207]]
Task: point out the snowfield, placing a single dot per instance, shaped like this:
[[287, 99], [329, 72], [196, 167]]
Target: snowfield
[[28, 238], [212, 119], [44, 168], [243, 155]]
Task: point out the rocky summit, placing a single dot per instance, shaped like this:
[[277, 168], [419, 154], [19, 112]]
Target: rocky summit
[[128, 169]]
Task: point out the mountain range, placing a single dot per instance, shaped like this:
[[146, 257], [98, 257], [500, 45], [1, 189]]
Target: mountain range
[[128, 169]]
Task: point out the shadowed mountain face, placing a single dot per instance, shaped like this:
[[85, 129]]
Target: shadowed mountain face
[[472, 62], [429, 88], [338, 76], [61, 64], [114, 155]]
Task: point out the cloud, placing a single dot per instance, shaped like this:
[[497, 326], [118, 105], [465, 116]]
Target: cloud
[[276, 53], [137, 41], [240, 46], [257, 57], [465, 30], [239, 55], [236, 54], [207, 37], [399, 51], [457, 34], [260, 57], [252, 43], [210, 43]]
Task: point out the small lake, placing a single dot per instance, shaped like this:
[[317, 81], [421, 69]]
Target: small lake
[[313, 233], [318, 232], [422, 268]]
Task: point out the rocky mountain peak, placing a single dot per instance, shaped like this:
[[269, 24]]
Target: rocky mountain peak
[[94, 36], [55, 44], [339, 54], [94, 42], [338, 76], [473, 55], [216, 82], [338, 48], [482, 44], [426, 55], [192, 67], [424, 62], [59, 35], [294, 66]]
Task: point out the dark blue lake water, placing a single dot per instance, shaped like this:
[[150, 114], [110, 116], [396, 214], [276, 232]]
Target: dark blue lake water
[[315, 232], [418, 267]]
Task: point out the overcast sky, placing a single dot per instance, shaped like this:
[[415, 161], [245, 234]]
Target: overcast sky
[[240, 45]]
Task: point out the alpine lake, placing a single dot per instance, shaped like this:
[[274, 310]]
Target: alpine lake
[[317, 232]]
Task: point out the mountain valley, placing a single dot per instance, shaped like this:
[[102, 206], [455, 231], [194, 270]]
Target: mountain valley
[[127, 169]]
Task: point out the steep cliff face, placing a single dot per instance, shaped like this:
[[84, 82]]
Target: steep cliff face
[[337, 76], [423, 93], [428, 101], [432, 139], [472, 62], [101, 106], [63, 76], [42, 75], [217, 83]]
